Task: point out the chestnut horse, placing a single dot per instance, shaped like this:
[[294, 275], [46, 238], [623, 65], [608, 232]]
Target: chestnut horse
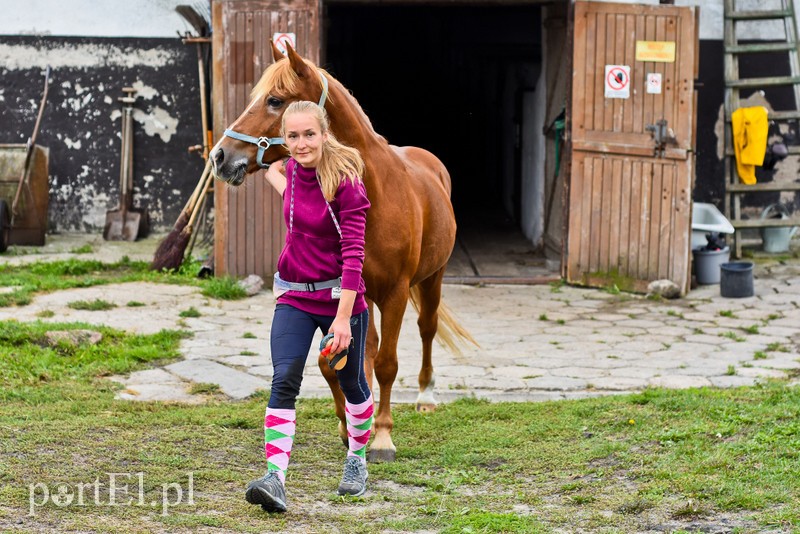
[[410, 231]]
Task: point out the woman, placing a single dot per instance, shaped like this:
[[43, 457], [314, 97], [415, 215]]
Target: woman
[[318, 285]]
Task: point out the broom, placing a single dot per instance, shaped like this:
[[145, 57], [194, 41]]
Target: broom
[[171, 248]]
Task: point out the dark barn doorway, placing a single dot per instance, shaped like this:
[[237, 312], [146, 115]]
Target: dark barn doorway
[[456, 80]]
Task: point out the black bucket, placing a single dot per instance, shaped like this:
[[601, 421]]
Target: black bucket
[[736, 279]]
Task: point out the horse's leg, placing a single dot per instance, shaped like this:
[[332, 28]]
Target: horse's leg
[[372, 345], [430, 295], [338, 396], [392, 309]]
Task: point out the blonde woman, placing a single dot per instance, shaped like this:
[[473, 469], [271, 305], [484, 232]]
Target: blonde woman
[[319, 286]]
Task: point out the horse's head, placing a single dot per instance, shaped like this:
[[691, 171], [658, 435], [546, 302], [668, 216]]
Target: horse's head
[[254, 140]]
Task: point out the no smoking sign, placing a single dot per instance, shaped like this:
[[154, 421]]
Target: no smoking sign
[[282, 39], [618, 81]]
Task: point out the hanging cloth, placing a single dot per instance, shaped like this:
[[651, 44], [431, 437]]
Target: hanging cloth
[[750, 129]]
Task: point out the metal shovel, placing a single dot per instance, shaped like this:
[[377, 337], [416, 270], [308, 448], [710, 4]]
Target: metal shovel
[[126, 222]]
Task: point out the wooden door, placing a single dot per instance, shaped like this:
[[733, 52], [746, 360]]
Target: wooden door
[[629, 200], [249, 229]]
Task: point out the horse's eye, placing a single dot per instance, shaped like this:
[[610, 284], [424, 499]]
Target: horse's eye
[[274, 102]]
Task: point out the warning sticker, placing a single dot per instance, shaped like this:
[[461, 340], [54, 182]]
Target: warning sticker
[[282, 39], [617, 81], [654, 83]]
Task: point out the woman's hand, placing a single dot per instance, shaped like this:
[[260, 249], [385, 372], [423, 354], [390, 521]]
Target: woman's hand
[[276, 176], [340, 328], [342, 334]]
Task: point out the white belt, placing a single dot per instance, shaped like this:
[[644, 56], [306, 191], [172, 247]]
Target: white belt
[[303, 286]]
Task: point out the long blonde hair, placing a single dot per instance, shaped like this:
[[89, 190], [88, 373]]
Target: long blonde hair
[[339, 162]]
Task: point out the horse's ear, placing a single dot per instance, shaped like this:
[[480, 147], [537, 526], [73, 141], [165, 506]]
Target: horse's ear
[[277, 55], [298, 64]]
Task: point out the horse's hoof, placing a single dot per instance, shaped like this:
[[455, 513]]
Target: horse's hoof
[[381, 455], [426, 407]]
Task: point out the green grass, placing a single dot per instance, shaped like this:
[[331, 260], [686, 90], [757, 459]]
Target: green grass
[[225, 288], [84, 249], [732, 335], [43, 277], [612, 464], [91, 305], [191, 312], [777, 347], [752, 329], [203, 387]]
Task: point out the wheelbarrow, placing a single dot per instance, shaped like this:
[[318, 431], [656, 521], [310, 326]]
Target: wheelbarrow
[[24, 195], [24, 187]]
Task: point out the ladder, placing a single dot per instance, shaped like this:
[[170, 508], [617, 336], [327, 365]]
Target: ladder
[[734, 188]]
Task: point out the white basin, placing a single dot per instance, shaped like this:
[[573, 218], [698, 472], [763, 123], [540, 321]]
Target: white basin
[[707, 218]]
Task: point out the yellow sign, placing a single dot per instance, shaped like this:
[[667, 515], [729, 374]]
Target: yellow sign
[[661, 51]]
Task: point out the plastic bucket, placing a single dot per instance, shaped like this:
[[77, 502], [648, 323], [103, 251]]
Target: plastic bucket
[[707, 264], [736, 279]]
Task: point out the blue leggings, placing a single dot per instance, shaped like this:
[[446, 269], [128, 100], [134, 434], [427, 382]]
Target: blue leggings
[[290, 340]]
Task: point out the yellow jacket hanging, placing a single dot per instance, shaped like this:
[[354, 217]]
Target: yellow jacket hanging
[[750, 129]]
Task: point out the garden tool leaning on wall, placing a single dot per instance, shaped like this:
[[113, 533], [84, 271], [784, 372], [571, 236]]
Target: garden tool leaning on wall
[[126, 222]]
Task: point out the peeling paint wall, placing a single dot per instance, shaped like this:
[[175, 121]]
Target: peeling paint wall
[[710, 174], [81, 122]]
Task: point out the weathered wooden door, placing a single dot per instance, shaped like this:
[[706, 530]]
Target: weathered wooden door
[[631, 119], [249, 229]]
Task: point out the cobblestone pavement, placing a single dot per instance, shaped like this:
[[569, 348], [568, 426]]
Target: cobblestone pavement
[[536, 342]]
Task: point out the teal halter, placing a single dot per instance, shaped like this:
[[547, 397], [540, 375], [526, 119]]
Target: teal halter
[[263, 143]]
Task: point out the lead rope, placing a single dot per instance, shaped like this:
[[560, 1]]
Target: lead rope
[[291, 202]]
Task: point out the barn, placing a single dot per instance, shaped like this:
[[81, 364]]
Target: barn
[[487, 86]]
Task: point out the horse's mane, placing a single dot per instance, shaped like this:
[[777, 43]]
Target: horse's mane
[[279, 79]]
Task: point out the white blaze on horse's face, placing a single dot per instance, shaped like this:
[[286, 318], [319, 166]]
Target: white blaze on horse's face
[[304, 137]]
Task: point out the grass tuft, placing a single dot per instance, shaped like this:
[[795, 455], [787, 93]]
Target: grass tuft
[[192, 312], [224, 288], [199, 388], [91, 305]]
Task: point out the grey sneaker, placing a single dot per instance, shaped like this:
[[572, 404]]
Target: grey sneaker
[[354, 478], [268, 492]]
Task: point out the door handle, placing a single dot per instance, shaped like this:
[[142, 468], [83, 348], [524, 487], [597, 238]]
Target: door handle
[[662, 136]]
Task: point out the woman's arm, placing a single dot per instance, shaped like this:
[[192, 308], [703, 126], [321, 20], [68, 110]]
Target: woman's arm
[[276, 176]]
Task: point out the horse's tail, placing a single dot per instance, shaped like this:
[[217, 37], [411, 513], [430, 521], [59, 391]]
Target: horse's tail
[[450, 332]]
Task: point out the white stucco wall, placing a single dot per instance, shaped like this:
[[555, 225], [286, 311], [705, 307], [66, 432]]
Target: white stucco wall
[[95, 18]]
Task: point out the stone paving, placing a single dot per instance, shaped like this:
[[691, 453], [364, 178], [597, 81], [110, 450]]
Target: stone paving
[[536, 342]]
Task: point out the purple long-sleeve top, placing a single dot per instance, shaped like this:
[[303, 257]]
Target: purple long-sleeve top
[[314, 252]]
